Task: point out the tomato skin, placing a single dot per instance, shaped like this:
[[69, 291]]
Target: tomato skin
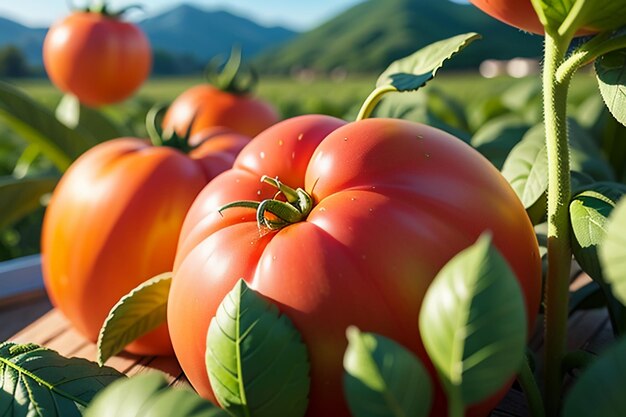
[[395, 201], [113, 222], [521, 14], [99, 59], [214, 107]]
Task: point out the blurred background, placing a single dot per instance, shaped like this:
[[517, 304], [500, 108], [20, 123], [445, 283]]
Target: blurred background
[[313, 56]]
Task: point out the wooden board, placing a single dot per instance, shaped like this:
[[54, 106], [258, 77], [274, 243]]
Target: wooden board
[[34, 320]]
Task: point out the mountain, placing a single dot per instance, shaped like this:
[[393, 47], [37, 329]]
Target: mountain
[[204, 34], [28, 40], [183, 30], [372, 34]]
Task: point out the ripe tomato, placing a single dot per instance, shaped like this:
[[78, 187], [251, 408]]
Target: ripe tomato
[[393, 202], [209, 106], [98, 58], [521, 14], [114, 220]]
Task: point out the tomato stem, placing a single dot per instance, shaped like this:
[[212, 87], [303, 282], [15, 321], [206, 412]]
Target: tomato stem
[[283, 213], [229, 76], [168, 137], [531, 390], [372, 100], [559, 193]]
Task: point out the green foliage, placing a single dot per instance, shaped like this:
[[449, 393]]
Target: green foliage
[[612, 79], [473, 324], [384, 379], [32, 384], [24, 195], [148, 395], [415, 70], [613, 252], [250, 343], [497, 137], [600, 389], [137, 313]]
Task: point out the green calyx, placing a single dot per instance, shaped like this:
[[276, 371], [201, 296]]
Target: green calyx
[[101, 7], [230, 76], [167, 137], [274, 214]]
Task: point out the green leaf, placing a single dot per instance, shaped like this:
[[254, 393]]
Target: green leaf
[[38, 382], [612, 81], [383, 378], [148, 395], [38, 125], [568, 16], [256, 360], [90, 121], [585, 155], [589, 211], [416, 70], [496, 138], [473, 323], [416, 107], [526, 167], [613, 252], [24, 194], [136, 314], [600, 389]]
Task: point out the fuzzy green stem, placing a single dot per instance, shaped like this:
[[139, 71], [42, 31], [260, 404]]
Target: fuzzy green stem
[[531, 390], [456, 407], [372, 100], [559, 193]]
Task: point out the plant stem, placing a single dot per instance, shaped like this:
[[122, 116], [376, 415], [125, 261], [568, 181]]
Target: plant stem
[[531, 390], [559, 194], [455, 402], [372, 100]]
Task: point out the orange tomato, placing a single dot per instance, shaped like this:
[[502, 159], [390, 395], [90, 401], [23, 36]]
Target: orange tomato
[[114, 220], [98, 58], [208, 106]]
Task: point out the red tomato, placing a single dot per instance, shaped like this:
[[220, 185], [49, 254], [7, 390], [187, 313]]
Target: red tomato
[[213, 107], [521, 14], [114, 220], [394, 201], [98, 58]]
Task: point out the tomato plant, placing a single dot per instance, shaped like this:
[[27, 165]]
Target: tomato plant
[[224, 101], [387, 204], [97, 57], [521, 14], [113, 222]]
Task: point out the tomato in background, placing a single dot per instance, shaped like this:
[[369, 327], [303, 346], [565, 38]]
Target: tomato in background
[[96, 57], [393, 202], [226, 100], [113, 222]]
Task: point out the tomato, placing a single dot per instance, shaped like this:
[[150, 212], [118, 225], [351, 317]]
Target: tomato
[[521, 14], [393, 202], [113, 221], [213, 107], [98, 58]]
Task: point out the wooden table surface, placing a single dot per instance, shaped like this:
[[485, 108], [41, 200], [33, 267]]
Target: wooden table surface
[[29, 317]]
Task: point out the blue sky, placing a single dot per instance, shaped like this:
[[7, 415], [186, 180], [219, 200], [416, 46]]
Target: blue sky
[[296, 14]]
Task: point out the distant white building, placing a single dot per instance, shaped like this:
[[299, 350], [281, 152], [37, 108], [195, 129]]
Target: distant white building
[[516, 67]]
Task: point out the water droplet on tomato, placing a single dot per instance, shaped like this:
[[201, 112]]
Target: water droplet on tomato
[[427, 155], [281, 143], [293, 155], [262, 155], [258, 192], [345, 139], [300, 136], [420, 137], [353, 198]]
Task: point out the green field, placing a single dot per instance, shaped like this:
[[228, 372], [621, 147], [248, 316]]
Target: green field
[[461, 103]]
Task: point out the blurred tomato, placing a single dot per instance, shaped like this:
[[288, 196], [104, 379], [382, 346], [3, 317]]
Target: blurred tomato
[[96, 57], [114, 220]]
